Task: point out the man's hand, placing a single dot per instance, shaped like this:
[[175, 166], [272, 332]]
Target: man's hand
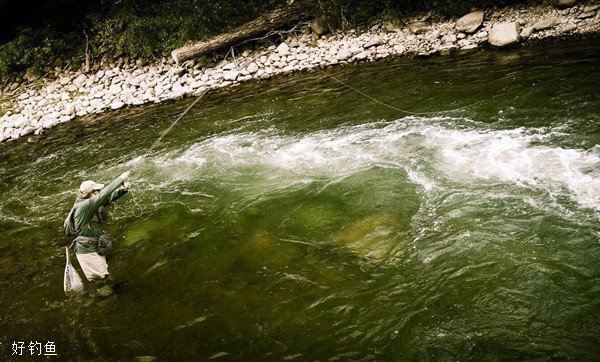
[[125, 175]]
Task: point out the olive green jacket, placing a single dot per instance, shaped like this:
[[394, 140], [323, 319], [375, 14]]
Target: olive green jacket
[[89, 216]]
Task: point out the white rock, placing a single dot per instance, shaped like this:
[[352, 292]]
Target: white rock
[[252, 68], [115, 89], [274, 57], [449, 38], [374, 41], [504, 34], [546, 23], [228, 66], [230, 75], [47, 122], [526, 32], [177, 71], [470, 22], [117, 105], [26, 130], [399, 49], [69, 110], [568, 28], [362, 55], [433, 36], [283, 49], [343, 55], [196, 84], [80, 80], [482, 35], [382, 51], [218, 76], [18, 121], [470, 46], [65, 80], [15, 134]]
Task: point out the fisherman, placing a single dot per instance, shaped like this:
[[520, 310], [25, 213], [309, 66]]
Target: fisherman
[[87, 218]]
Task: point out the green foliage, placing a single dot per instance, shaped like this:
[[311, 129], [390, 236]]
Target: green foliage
[[340, 13], [34, 48], [145, 29]]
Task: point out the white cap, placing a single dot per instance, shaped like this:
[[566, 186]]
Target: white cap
[[89, 186]]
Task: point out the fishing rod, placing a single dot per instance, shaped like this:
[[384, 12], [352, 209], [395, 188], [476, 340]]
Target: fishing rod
[[156, 143]]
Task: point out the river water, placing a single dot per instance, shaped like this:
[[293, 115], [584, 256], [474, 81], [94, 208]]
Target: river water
[[454, 218]]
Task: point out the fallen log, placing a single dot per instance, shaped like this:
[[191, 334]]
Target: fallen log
[[275, 19]]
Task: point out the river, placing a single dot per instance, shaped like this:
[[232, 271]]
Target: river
[[429, 209]]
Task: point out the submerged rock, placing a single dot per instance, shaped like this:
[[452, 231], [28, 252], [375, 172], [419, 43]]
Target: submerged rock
[[105, 291], [263, 250], [145, 358], [369, 237]]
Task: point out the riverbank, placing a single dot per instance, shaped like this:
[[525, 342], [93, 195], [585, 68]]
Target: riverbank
[[35, 107]]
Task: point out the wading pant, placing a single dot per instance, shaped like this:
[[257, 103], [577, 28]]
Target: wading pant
[[94, 266]]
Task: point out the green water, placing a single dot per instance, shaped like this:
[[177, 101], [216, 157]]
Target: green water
[[296, 219]]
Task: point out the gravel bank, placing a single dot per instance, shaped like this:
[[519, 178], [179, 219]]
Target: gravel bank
[[35, 109]]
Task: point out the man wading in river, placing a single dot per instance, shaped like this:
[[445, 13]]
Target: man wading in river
[[86, 222]]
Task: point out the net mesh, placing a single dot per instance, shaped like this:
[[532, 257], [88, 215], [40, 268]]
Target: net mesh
[[73, 283]]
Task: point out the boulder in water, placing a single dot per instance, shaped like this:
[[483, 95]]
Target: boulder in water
[[368, 237]]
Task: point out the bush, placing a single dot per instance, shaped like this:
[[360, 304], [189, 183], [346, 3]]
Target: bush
[[159, 27], [339, 13], [34, 48], [145, 29]]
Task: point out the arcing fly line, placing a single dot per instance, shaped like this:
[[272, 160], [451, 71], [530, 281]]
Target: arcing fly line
[[157, 142], [402, 110]]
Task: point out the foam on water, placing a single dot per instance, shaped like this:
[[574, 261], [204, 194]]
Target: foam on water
[[520, 157], [430, 150]]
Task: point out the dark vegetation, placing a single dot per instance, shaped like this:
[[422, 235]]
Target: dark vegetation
[[41, 35]]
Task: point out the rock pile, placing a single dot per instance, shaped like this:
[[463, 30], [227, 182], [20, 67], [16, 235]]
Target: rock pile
[[77, 95]]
